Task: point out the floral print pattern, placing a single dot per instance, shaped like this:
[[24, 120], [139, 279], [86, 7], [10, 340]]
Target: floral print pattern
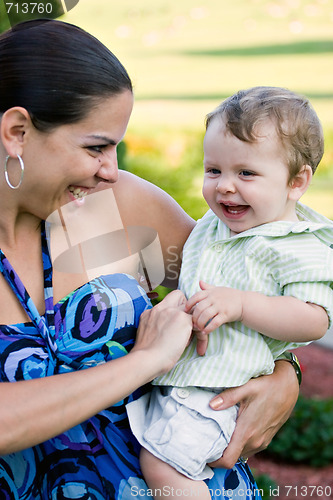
[[98, 459]]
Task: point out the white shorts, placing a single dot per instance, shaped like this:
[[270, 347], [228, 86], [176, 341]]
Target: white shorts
[[177, 425]]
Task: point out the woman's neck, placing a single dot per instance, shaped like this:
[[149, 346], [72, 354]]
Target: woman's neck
[[17, 230]]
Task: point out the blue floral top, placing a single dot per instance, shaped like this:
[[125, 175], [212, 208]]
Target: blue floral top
[[98, 459]]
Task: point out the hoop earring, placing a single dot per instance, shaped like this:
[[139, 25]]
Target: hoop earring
[[6, 172]]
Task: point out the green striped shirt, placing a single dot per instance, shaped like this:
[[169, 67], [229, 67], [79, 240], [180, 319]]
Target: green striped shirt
[[278, 258]]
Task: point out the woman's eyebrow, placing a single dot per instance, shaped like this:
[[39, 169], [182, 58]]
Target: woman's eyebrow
[[103, 138]]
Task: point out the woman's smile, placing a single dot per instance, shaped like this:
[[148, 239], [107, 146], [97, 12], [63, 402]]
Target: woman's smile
[[78, 192]]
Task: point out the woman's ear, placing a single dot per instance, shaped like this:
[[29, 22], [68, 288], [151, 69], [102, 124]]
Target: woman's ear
[[15, 124], [300, 183]]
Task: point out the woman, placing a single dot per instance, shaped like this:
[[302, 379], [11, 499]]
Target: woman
[[64, 327]]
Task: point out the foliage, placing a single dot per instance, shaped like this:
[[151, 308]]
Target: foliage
[[162, 292], [12, 13], [4, 22], [307, 437], [172, 159], [265, 485], [121, 155]]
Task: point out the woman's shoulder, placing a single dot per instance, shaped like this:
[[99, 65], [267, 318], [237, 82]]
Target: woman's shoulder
[[141, 202], [133, 190]]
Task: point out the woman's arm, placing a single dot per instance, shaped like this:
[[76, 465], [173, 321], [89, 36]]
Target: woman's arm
[[141, 203], [265, 405], [36, 410]]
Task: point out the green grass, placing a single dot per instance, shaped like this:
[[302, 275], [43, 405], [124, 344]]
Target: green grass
[[188, 56], [184, 57]]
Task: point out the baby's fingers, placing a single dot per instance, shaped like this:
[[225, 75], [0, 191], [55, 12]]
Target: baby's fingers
[[194, 300], [202, 317], [212, 324], [202, 343]]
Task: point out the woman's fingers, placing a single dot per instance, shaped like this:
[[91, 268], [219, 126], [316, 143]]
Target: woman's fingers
[[265, 403], [176, 298], [165, 330]]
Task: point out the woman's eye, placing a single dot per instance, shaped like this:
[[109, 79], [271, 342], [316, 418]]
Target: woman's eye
[[97, 149]]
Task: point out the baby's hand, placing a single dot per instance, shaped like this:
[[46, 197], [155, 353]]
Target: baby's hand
[[213, 306]]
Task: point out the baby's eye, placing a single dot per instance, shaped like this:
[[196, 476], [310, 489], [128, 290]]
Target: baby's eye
[[213, 171], [247, 173]]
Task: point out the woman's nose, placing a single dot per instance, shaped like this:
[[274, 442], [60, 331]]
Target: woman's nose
[[108, 170]]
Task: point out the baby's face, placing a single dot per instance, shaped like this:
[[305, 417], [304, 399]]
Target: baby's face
[[246, 184]]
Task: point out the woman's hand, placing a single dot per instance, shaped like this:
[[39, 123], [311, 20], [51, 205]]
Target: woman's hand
[[164, 331], [265, 404], [38, 409]]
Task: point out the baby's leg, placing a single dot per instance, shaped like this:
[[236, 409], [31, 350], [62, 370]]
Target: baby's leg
[[167, 482]]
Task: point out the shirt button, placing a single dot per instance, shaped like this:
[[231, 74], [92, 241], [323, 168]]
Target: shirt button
[[218, 248], [183, 393]]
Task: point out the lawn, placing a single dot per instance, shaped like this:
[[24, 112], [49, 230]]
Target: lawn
[[185, 57]]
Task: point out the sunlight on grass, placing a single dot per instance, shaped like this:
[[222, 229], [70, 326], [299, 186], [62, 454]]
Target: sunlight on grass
[[181, 49], [185, 57]]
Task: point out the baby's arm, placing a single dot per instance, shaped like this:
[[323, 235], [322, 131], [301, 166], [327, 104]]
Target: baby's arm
[[284, 318]]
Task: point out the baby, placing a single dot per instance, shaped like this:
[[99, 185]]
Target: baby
[[258, 273]]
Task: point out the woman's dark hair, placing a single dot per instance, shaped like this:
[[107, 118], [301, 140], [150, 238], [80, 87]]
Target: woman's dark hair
[[57, 72]]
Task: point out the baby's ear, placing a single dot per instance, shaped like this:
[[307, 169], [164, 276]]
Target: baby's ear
[[300, 183]]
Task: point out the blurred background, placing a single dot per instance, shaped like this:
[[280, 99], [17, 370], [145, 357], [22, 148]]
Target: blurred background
[[184, 57]]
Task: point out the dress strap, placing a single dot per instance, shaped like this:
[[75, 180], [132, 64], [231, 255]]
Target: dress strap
[[44, 324]]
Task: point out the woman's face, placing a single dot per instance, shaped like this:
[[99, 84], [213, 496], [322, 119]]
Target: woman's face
[[73, 160]]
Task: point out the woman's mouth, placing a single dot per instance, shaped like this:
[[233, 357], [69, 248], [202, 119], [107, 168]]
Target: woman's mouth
[[78, 192]]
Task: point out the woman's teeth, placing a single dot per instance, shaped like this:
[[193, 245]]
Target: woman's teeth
[[77, 192]]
